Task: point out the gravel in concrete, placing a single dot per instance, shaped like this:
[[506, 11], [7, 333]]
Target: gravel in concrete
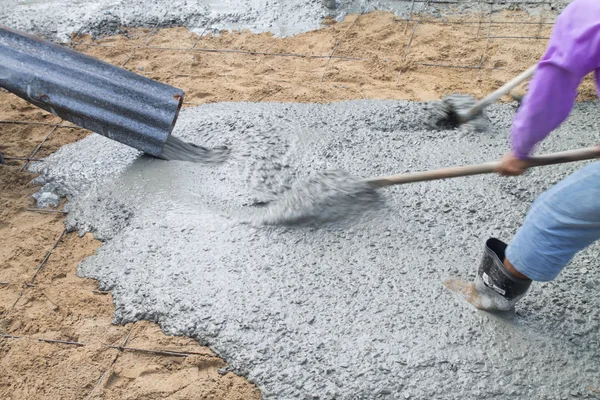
[[347, 309], [57, 19]]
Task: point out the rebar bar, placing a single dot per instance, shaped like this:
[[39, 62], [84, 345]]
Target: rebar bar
[[38, 148], [520, 37], [470, 22], [539, 32], [480, 22], [410, 14], [199, 37], [46, 211], [410, 39], [144, 41], [338, 43], [264, 57], [457, 66], [62, 342], [59, 125], [120, 348], [48, 254], [23, 159], [257, 53], [487, 42], [159, 352], [17, 300]]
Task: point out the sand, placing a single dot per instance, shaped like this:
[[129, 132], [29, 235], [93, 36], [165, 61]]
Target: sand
[[379, 39], [64, 307]]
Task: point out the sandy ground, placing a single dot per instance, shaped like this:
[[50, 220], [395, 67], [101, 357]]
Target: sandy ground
[[379, 40], [61, 306]]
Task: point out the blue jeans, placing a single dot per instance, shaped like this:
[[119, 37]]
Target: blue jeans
[[562, 221]]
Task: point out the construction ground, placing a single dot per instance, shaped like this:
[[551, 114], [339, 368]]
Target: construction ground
[[57, 336]]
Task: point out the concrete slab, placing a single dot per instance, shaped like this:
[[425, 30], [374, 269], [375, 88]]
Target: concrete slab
[[350, 309]]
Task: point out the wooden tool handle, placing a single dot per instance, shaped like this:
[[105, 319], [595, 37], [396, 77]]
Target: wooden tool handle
[[487, 168], [492, 97]]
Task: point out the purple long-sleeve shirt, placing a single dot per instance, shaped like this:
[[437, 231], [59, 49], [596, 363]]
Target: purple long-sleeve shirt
[[573, 52]]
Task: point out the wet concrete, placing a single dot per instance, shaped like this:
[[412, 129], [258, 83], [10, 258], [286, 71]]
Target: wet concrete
[[57, 19], [351, 308], [446, 113], [179, 150], [327, 196]]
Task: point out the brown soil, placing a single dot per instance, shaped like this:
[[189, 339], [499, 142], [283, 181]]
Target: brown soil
[[60, 306]]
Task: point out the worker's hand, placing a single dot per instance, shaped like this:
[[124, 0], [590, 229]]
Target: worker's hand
[[510, 165]]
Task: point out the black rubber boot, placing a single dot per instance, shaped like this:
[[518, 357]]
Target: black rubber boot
[[498, 288]]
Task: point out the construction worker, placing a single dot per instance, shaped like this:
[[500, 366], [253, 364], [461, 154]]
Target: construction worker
[[566, 218]]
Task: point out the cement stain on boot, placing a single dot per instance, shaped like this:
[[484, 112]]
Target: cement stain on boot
[[325, 197], [478, 295], [466, 290], [177, 150]]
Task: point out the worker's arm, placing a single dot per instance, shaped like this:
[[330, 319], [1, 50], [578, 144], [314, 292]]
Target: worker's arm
[[548, 103], [571, 54]]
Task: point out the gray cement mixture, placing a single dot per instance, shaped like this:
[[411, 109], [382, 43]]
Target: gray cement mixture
[[57, 19], [176, 149], [326, 196], [352, 307], [444, 114]]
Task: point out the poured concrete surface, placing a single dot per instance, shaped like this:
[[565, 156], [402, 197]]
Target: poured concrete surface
[[57, 19], [353, 309]]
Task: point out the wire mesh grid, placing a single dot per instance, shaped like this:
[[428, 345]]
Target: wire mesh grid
[[417, 17]]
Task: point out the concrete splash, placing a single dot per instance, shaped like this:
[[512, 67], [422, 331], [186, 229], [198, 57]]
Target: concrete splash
[[177, 149], [353, 308], [325, 197], [444, 114], [59, 18]]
